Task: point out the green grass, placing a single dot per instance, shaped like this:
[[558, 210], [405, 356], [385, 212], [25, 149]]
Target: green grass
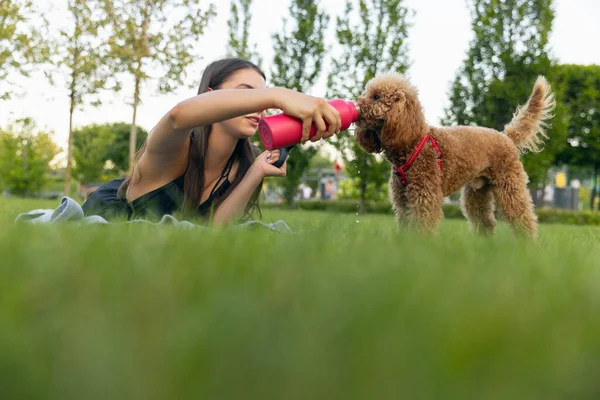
[[340, 310]]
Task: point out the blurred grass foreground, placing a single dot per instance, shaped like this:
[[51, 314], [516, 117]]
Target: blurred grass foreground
[[343, 309]]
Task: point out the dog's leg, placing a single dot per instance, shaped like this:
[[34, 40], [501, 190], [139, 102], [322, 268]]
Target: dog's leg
[[514, 200], [477, 205], [424, 204], [398, 200]]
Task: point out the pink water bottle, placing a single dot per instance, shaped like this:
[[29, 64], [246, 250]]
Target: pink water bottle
[[279, 131]]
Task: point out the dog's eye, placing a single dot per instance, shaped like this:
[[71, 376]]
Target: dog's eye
[[376, 97]]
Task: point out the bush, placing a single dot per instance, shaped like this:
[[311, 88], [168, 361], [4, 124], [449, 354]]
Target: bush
[[349, 190], [338, 206], [351, 206], [451, 211], [550, 216]]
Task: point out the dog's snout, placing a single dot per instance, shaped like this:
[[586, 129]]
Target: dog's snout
[[360, 104]]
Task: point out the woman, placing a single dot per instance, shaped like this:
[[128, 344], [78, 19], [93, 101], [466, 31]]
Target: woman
[[199, 159]]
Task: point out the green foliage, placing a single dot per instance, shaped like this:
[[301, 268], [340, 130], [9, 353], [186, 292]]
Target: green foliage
[[82, 52], [321, 161], [351, 189], [23, 42], [377, 43], [155, 40], [160, 35], [298, 162], [351, 206], [579, 90], [90, 146], [25, 156], [506, 54], [117, 152], [239, 32], [451, 211], [298, 60], [95, 146], [347, 206], [509, 50], [550, 216]]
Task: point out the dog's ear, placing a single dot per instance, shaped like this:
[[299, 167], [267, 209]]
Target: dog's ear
[[404, 123], [398, 96], [367, 140]]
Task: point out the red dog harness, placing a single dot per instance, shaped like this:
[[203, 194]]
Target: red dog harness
[[403, 169]]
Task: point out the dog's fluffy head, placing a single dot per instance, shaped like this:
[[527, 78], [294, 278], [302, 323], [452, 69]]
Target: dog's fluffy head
[[389, 111]]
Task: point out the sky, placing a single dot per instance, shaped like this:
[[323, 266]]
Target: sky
[[438, 41]]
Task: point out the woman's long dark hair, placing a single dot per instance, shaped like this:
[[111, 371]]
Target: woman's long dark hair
[[244, 154]]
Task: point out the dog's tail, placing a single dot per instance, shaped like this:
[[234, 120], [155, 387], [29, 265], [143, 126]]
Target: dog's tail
[[528, 126]]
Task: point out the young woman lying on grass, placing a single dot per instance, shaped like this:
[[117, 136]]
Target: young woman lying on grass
[[199, 159]]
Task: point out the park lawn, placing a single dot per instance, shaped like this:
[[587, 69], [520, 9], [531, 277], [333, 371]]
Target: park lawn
[[339, 310]]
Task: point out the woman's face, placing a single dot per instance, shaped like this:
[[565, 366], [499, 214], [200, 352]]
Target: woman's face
[[247, 125]]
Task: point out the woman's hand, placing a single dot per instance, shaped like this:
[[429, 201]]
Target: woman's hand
[[263, 164], [309, 109], [233, 206]]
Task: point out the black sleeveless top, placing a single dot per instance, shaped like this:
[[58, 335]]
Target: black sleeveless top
[[167, 199]]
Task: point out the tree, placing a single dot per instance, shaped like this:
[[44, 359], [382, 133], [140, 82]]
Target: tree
[[95, 146], [297, 64], [119, 147], [155, 36], [22, 43], [25, 156], [321, 161], [509, 50], [82, 56], [239, 32], [578, 88], [377, 43], [90, 147]]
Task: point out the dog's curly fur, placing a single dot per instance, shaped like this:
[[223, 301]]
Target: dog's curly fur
[[483, 162]]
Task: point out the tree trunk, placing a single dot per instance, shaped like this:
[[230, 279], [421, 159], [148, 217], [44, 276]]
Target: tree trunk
[[69, 150], [289, 194], [146, 12], [290, 184], [24, 165], [363, 196], [594, 184], [535, 197], [364, 167], [133, 133]]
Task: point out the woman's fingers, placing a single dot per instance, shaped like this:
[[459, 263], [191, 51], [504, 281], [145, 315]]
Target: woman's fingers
[[272, 170], [324, 116], [333, 119], [321, 127], [306, 125], [273, 156]]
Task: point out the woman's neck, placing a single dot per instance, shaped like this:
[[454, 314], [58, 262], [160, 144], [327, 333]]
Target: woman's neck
[[220, 148]]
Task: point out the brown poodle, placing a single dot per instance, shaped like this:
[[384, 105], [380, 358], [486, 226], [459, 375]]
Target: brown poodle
[[429, 163]]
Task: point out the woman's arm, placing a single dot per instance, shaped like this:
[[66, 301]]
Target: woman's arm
[[235, 204], [172, 131], [167, 145], [174, 128]]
